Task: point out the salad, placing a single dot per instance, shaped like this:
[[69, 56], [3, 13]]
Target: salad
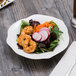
[[35, 37]]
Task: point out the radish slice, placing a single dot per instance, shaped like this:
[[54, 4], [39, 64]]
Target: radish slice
[[36, 36], [44, 35], [46, 29]]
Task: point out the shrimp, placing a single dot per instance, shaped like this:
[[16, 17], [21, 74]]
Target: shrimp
[[22, 38], [30, 47], [27, 30]]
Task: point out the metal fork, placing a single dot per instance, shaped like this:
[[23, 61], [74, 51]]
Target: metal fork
[[71, 68]]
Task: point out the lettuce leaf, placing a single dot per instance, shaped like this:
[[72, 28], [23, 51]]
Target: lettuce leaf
[[24, 24]]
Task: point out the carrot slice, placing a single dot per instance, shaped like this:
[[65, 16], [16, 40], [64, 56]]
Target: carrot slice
[[39, 27], [34, 28], [46, 24]]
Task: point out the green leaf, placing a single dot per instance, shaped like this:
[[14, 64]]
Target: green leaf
[[56, 29], [57, 32], [50, 28], [24, 24], [38, 52], [18, 35], [53, 44], [55, 26], [45, 49], [17, 40], [42, 49]]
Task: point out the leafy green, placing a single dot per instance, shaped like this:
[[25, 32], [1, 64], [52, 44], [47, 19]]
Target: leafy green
[[18, 35], [45, 49], [16, 40], [37, 52], [53, 44], [24, 24], [57, 32], [42, 50], [55, 25], [50, 28], [56, 29]]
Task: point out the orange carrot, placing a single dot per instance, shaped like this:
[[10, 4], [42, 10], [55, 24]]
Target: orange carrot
[[52, 24], [46, 24], [34, 28], [39, 27]]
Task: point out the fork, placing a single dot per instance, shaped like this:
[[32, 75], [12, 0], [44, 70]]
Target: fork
[[71, 68]]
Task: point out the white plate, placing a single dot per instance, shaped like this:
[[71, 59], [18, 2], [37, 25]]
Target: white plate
[[15, 29]]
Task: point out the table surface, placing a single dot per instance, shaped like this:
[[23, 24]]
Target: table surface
[[13, 65]]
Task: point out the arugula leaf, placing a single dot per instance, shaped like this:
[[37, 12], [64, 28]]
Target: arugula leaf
[[37, 49], [45, 49], [57, 32], [50, 28], [55, 25], [53, 44], [56, 29], [24, 24], [37, 52]]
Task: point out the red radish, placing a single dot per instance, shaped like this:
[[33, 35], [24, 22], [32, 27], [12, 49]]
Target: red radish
[[46, 29], [44, 35], [36, 36]]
